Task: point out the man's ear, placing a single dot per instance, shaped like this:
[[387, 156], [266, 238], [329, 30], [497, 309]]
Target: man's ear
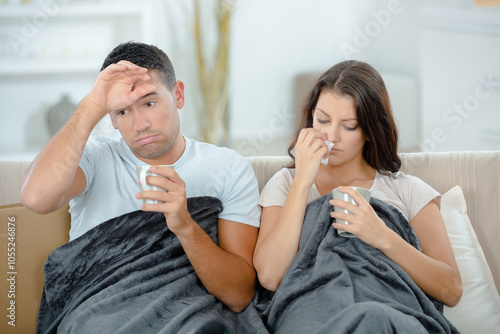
[[179, 94]]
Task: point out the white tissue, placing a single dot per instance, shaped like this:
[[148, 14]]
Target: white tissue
[[328, 143]]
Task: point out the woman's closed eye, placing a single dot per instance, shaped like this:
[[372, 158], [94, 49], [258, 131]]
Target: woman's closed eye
[[350, 128]]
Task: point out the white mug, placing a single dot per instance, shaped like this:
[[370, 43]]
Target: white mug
[[142, 172]]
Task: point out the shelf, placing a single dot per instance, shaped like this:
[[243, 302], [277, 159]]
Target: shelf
[[97, 9], [41, 67], [479, 20], [55, 49], [42, 37]]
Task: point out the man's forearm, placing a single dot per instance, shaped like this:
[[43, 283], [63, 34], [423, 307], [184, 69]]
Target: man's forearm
[[51, 174], [225, 275]]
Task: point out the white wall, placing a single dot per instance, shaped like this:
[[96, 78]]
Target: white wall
[[460, 80], [272, 43], [56, 47]]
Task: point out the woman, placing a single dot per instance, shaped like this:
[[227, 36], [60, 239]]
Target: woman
[[349, 106]]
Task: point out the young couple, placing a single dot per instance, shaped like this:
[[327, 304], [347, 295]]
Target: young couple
[[348, 106]]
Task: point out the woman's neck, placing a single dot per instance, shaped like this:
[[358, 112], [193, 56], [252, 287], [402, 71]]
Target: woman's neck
[[359, 174]]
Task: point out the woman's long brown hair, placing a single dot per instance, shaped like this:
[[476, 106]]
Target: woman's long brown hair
[[373, 110]]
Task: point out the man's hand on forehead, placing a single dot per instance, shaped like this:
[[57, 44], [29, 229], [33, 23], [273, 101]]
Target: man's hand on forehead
[[119, 86], [126, 65]]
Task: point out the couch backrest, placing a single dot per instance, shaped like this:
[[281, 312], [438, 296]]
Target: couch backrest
[[477, 173]]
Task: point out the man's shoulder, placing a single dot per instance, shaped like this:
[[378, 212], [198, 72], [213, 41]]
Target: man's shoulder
[[212, 158], [98, 140], [213, 153], [105, 148], [105, 144], [207, 147]]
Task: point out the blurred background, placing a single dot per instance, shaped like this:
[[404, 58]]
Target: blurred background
[[440, 60]]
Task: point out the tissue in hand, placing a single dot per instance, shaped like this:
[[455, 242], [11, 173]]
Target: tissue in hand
[[328, 143]]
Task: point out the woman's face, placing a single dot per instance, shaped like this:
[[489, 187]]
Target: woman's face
[[335, 115]]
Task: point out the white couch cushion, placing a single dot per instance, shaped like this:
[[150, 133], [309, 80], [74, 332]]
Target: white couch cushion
[[479, 309]]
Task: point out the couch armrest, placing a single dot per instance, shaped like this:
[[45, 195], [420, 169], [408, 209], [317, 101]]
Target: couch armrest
[[26, 243], [11, 174]]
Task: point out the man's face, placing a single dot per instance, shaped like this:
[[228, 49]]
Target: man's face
[[151, 125]]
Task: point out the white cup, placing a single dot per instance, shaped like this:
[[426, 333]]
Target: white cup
[[142, 172], [337, 194]]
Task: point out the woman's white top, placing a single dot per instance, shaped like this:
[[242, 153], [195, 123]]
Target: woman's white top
[[406, 192]]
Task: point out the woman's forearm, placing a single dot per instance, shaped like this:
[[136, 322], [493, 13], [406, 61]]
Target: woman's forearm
[[435, 277], [278, 246]]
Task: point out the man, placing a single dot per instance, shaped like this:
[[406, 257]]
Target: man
[[96, 175]]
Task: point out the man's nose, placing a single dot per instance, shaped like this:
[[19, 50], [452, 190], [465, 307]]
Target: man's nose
[[141, 122]]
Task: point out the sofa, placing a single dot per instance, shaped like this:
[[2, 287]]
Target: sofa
[[468, 181]]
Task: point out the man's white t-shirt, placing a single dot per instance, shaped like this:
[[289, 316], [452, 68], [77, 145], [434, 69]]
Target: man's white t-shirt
[[406, 192], [110, 169]]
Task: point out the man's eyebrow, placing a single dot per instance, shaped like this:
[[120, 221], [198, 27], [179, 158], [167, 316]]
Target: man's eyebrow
[[149, 94]]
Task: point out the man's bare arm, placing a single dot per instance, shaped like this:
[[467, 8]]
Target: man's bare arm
[[54, 176], [226, 268], [48, 184]]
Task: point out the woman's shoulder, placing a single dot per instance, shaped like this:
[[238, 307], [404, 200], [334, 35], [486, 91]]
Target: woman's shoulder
[[286, 172], [407, 186], [276, 189], [407, 192], [282, 177], [399, 177]]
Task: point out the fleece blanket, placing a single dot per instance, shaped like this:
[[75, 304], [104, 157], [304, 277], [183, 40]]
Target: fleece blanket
[[131, 275], [342, 285]]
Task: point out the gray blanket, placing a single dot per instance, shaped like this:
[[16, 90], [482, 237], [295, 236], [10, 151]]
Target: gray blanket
[[131, 275], [342, 285]]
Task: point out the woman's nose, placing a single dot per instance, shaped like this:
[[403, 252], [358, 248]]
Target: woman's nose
[[333, 134]]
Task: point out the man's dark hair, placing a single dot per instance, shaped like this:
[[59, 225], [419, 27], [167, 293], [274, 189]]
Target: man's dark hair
[[143, 55]]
